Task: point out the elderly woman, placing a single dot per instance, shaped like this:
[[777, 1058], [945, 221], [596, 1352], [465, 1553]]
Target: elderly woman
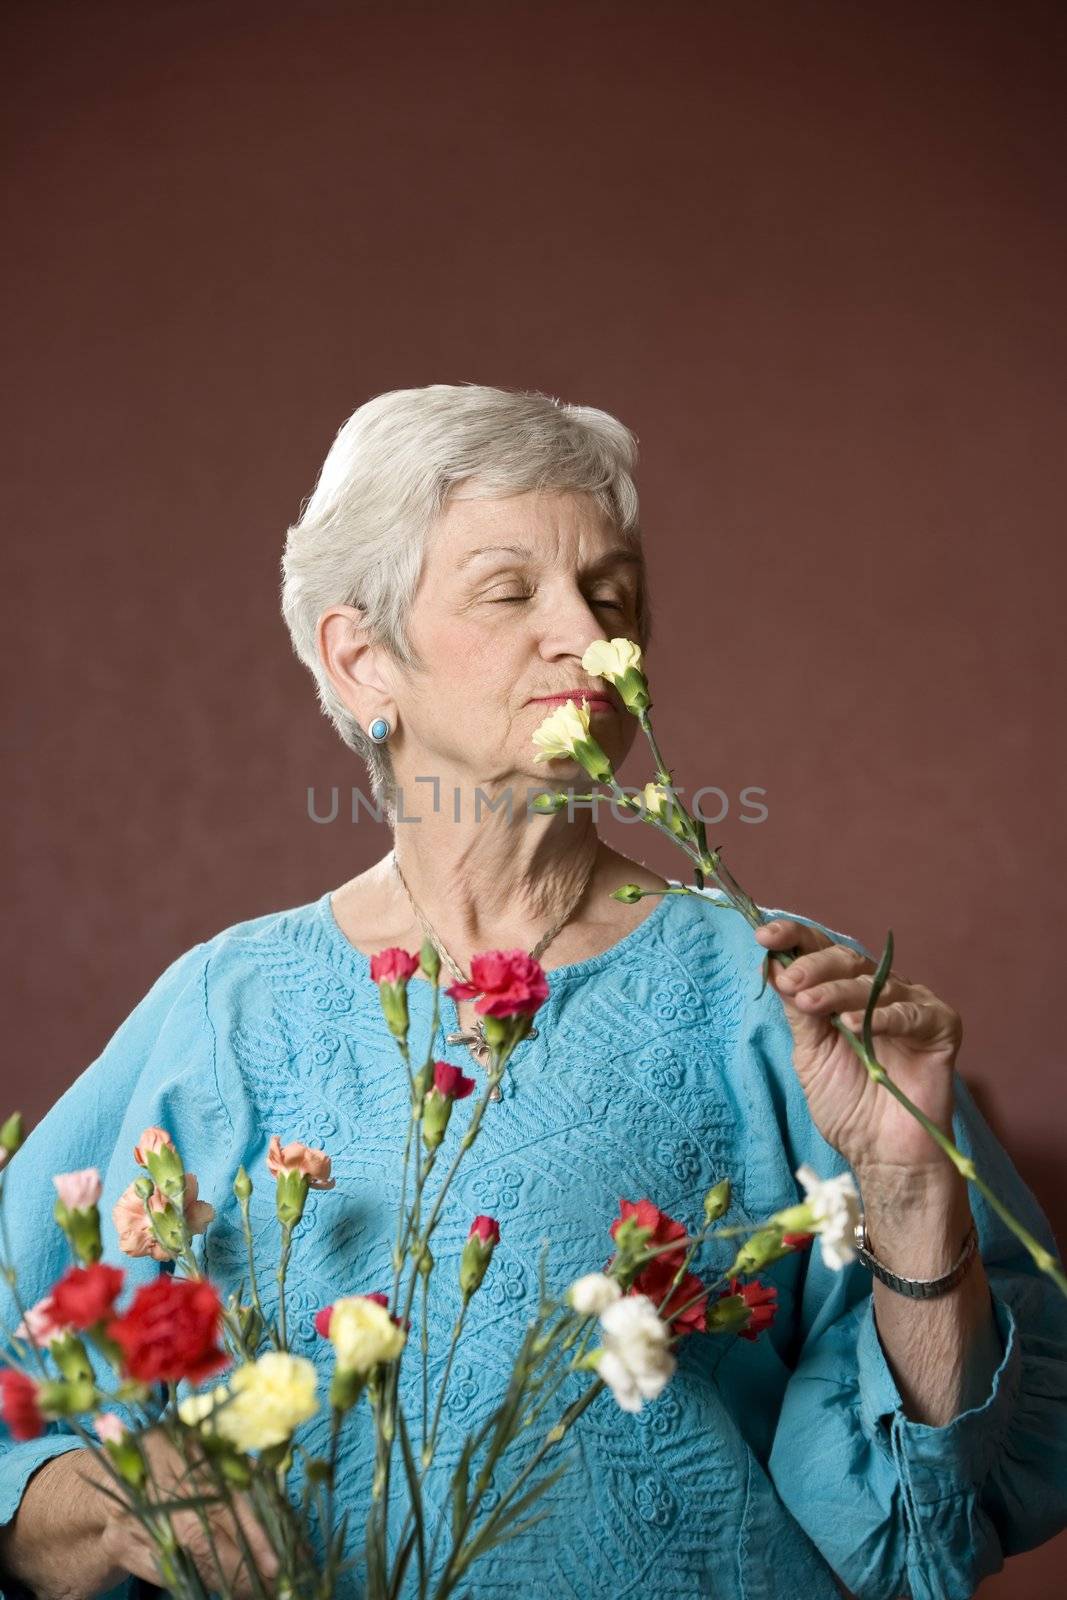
[[889, 1434]]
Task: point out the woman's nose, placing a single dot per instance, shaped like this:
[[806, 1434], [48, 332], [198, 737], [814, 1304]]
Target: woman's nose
[[573, 625]]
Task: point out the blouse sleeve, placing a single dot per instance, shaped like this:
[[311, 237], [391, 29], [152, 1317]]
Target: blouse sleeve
[[898, 1507], [157, 1068]]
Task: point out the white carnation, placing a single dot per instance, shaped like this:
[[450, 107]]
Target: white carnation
[[835, 1208], [593, 1294], [635, 1358]]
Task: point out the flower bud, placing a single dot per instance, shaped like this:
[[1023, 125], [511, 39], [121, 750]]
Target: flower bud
[[429, 960], [12, 1134], [242, 1185], [346, 1386], [717, 1201], [292, 1192], [759, 1250], [547, 804], [628, 893], [66, 1398], [482, 1240], [426, 1262], [71, 1357]]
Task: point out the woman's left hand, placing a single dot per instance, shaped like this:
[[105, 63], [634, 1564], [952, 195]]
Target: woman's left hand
[[916, 1038]]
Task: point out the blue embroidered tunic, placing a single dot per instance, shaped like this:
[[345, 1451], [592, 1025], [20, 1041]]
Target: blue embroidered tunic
[[780, 1466]]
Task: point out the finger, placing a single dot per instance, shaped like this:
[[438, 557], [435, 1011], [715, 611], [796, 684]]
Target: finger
[[784, 934], [256, 1536], [902, 1018], [833, 961], [211, 1547], [835, 996], [126, 1543]]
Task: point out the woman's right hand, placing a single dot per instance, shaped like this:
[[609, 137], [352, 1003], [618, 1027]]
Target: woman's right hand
[[126, 1543], [71, 1542]]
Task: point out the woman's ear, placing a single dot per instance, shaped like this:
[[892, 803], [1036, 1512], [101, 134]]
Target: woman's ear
[[354, 664]]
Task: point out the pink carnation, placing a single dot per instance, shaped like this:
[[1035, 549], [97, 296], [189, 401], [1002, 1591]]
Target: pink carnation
[[508, 981], [79, 1191], [41, 1323], [151, 1140], [135, 1235], [487, 1230], [110, 1428], [393, 966], [449, 1080], [296, 1157]]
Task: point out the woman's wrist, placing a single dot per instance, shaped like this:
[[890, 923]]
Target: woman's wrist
[[917, 1224], [52, 1545]]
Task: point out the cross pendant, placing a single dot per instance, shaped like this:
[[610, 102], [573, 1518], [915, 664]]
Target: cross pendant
[[476, 1042]]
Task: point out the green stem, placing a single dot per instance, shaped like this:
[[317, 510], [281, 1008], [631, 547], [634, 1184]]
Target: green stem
[[964, 1165], [283, 1267]]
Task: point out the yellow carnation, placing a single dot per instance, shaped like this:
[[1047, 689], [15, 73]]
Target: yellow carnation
[[363, 1333], [195, 1408], [611, 658], [655, 798], [563, 729], [271, 1397]]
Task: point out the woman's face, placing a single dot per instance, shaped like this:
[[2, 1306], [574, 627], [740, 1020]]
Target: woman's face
[[499, 629]]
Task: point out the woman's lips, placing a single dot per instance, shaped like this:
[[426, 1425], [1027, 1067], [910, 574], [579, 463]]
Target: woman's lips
[[595, 702]]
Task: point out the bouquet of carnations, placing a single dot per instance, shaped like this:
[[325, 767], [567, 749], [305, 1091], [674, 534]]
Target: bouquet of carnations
[[192, 1406]]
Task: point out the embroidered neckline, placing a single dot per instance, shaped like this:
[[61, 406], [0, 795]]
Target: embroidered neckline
[[555, 975]]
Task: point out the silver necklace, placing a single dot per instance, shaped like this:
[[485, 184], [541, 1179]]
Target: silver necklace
[[474, 1038]]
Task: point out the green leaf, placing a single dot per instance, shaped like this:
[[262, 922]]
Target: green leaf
[[877, 985], [416, 1509], [460, 1480]]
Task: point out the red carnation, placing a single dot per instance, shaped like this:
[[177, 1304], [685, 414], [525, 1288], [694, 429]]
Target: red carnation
[[324, 1315], [761, 1300], [393, 966], [18, 1404], [487, 1229], [664, 1229], [509, 982], [654, 1282], [171, 1331], [84, 1296], [449, 1080]]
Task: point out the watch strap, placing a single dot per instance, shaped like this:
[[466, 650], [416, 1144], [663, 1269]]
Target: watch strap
[[917, 1288]]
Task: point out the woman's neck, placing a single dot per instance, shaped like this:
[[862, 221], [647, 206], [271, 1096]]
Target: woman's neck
[[496, 890], [521, 875]]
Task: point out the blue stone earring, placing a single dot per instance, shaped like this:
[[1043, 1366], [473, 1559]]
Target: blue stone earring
[[379, 730]]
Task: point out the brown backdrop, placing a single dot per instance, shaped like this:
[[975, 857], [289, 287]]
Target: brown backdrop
[[812, 253]]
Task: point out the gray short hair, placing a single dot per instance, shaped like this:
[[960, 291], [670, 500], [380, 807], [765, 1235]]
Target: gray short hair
[[361, 536]]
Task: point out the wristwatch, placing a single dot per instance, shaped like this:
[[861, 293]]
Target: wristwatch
[[917, 1288]]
